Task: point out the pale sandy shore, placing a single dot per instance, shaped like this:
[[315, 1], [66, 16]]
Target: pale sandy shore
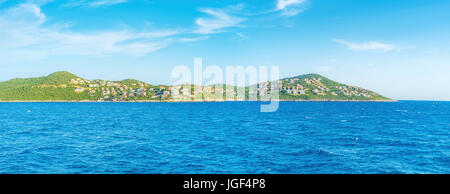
[[158, 101]]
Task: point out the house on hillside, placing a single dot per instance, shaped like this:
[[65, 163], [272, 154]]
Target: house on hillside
[[79, 89]]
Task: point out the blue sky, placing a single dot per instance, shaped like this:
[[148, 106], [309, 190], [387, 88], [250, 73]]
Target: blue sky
[[397, 48]]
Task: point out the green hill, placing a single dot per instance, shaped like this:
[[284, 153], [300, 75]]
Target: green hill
[[63, 85], [51, 87], [314, 86], [60, 77]]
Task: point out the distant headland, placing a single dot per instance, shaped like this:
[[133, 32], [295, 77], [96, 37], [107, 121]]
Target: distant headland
[[63, 86]]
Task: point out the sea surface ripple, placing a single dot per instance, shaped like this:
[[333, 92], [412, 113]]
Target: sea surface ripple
[[225, 137]]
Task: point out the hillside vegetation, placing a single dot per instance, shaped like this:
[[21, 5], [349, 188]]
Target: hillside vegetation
[[67, 86]]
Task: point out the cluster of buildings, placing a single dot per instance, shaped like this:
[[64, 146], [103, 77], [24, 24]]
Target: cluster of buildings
[[314, 86], [108, 90], [353, 91]]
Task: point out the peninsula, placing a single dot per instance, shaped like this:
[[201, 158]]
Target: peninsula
[[66, 87]]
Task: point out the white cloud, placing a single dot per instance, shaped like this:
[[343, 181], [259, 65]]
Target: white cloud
[[282, 4], [106, 2], [26, 34], [218, 20], [38, 2], [24, 14], [290, 7], [366, 46], [241, 35], [95, 3], [195, 39]]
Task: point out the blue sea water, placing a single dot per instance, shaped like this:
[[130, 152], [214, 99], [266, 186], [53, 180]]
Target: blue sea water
[[225, 137]]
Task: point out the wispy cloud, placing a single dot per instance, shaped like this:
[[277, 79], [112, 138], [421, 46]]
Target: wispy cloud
[[282, 4], [366, 46], [241, 35], [28, 35], [94, 4], [218, 20], [193, 39], [290, 7]]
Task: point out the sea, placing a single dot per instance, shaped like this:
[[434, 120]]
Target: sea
[[405, 137]]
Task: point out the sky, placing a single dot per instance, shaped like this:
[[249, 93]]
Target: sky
[[399, 48]]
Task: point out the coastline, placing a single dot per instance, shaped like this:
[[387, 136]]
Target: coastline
[[162, 101]]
